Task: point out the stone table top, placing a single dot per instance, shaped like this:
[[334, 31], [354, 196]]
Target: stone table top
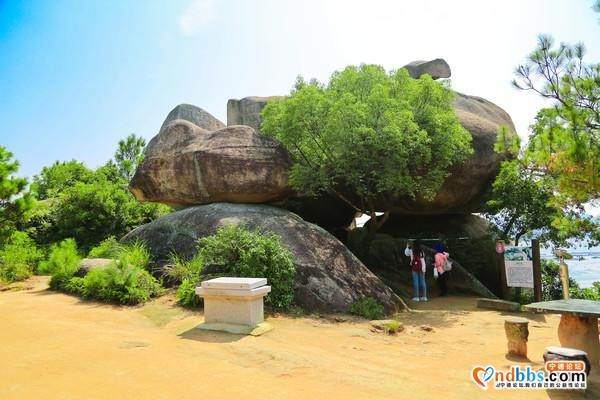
[[581, 308], [233, 283]]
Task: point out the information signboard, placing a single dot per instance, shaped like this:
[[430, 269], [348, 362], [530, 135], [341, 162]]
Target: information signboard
[[518, 262]]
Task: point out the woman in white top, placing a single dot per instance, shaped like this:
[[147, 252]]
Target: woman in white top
[[417, 263]]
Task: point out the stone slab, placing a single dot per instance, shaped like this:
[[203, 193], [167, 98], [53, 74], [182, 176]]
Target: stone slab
[[565, 351], [237, 329], [233, 283], [582, 308], [246, 293], [495, 304]]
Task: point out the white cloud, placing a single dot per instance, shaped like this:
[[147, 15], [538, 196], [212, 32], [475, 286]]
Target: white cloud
[[196, 15]]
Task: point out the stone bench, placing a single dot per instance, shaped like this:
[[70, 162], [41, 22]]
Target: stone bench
[[555, 353], [233, 304], [517, 333]]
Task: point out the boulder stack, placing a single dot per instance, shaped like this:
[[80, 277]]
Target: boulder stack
[[227, 174], [188, 164]]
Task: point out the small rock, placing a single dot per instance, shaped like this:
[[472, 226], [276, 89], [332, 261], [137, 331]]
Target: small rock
[[437, 68], [426, 328]]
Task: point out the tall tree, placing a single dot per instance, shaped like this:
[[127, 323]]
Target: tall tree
[[565, 143], [55, 178], [367, 135], [129, 155], [521, 205], [14, 202]]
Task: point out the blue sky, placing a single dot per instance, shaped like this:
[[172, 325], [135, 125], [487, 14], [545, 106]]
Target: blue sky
[[77, 76]]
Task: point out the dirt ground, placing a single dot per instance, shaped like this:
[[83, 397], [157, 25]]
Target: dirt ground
[[55, 346]]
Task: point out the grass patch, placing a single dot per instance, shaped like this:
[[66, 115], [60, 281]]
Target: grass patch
[[367, 307]]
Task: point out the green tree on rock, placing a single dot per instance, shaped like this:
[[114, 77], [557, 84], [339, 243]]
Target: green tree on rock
[[367, 135], [129, 155], [13, 201]]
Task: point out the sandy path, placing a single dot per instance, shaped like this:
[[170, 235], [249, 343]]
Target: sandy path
[[54, 346]]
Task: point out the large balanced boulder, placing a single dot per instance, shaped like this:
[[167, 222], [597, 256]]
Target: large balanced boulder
[[195, 115], [247, 110], [185, 164], [465, 190], [437, 68], [328, 276]]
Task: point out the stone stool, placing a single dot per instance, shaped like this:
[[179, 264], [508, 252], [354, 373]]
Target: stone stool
[[234, 304], [555, 353], [517, 332]]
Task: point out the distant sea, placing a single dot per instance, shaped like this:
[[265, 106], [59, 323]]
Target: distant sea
[[584, 267]]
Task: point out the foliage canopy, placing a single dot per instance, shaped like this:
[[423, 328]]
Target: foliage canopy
[[369, 134], [14, 202], [565, 141]]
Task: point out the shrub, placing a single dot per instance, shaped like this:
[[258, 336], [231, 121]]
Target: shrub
[[75, 285], [108, 248], [367, 307], [62, 263], [120, 282], [18, 258], [592, 293], [136, 254], [186, 293], [392, 327], [253, 254], [188, 273], [182, 269]]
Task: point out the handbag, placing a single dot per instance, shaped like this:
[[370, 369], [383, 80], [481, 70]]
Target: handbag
[[423, 264], [447, 265]]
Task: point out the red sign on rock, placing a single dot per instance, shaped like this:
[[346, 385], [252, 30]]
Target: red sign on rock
[[500, 247]]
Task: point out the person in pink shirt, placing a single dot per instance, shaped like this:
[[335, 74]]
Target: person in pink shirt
[[440, 258]]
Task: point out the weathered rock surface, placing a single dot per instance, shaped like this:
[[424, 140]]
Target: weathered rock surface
[[88, 264], [195, 115], [465, 190], [329, 277], [326, 211], [247, 110], [185, 164], [437, 68]]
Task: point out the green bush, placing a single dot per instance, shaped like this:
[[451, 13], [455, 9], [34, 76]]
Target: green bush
[[108, 248], [120, 282], [592, 293], [253, 254], [186, 293], [188, 274], [182, 269], [62, 263], [18, 258], [367, 307], [135, 254]]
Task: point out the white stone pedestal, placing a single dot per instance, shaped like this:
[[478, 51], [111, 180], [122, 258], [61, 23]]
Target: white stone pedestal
[[234, 304]]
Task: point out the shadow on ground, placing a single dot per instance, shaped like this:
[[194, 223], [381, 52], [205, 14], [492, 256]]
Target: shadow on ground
[[205, 336]]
